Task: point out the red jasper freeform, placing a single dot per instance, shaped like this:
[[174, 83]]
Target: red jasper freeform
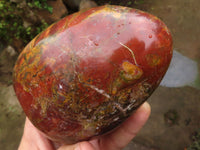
[[87, 73]]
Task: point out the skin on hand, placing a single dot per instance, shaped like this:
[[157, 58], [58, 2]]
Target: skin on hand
[[33, 139]]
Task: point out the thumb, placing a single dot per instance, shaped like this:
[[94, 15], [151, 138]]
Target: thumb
[[78, 146]]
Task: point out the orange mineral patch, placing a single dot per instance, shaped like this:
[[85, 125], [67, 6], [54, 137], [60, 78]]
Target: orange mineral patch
[[153, 59], [131, 71]]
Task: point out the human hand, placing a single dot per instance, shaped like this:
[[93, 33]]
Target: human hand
[[32, 139]]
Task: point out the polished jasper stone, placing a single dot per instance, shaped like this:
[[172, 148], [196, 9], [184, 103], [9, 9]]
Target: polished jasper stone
[[87, 73]]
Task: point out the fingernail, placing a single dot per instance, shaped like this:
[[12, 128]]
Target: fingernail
[[77, 147], [146, 105]]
